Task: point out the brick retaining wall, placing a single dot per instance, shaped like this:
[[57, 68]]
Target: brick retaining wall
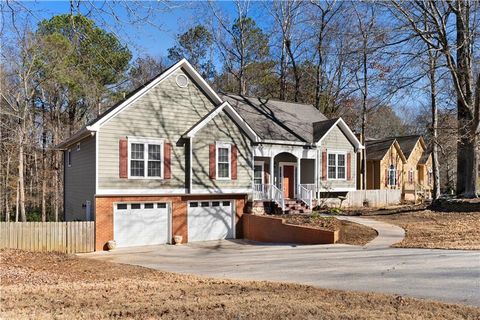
[[269, 229]]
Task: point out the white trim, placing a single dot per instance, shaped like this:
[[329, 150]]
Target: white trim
[[182, 63], [281, 166], [146, 142], [337, 189], [97, 141], [223, 191], [286, 142], [259, 163], [78, 146], [126, 191], [228, 146], [347, 131], [337, 153]]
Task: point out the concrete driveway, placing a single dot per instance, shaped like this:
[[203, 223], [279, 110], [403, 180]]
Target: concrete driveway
[[447, 275]]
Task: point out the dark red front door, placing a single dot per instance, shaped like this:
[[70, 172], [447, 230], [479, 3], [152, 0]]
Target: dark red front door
[[288, 185]]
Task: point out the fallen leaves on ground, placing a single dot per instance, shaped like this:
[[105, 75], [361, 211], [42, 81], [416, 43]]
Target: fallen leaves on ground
[[59, 286], [437, 230]]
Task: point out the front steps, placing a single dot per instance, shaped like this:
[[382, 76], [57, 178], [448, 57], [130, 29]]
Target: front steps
[[293, 206]]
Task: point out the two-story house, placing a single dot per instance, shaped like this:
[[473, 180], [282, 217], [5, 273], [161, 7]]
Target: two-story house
[[176, 158]]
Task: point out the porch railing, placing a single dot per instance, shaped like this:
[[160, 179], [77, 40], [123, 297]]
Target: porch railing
[[277, 196], [305, 194], [262, 192]]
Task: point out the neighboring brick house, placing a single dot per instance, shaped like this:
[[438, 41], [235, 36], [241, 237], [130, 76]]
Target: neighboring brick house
[[176, 158]]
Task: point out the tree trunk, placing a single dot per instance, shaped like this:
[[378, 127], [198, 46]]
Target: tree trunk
[[296, 73], [434, 129], [21, 182], [17, 209], [283, 74], [7, 192], [364, 115], [466, 143]]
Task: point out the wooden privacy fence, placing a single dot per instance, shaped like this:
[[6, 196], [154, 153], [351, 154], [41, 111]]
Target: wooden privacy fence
[[68, 237]]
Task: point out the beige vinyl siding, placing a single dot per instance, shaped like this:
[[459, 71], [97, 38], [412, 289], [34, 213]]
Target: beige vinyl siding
[[392, 157], [336, 141], [221, 129], [166, 111], [80, 180]]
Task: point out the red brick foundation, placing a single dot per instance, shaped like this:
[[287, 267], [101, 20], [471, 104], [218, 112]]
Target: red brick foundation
[[269, 229], [104, 213]]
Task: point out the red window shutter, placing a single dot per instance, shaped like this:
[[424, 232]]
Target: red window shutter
[[167, 161], [398, 178], [123, 158], [212, 161], [324, 165], [234, 162], [349, 166], [386, 177]]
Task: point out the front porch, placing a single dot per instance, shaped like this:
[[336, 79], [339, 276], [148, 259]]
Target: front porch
[[285, 179]]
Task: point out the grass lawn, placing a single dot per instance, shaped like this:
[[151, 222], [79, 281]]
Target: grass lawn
[[46, 286], [437, 230], [350, 232]]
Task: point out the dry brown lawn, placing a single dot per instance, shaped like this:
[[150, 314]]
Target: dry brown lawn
[[46, 286], [437, 230], [350, 232]]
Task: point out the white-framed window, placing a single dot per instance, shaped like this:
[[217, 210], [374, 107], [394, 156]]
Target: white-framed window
[[392, 176], [145, 158], [78, 146], [69, 157], [223, 155], [337, 166], [258, 175]]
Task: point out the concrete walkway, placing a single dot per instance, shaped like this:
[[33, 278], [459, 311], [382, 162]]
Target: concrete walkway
[[388, 234], [446, 275]]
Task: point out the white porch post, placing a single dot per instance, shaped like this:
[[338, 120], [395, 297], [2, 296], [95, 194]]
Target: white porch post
[[298, 176], [315, 175], [272, 177]]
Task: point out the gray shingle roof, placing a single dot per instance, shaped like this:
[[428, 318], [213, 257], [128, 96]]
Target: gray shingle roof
[[278, 120], [407, 143], [424, 157], [376, 149]]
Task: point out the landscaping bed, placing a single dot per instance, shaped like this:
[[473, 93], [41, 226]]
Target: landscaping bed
[[350, 232], [59, 286], [437, 230]]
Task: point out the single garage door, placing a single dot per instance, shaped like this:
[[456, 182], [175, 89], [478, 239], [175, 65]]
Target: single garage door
[[210, 220], [140, 224]]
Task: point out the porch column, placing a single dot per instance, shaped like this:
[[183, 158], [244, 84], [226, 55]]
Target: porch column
[[298, 175], [272, 177]]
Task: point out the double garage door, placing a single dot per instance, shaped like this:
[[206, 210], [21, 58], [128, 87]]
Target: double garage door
[[139, 224]]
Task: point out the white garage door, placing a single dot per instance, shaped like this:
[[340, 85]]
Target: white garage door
[[210, 220], [140, 224]]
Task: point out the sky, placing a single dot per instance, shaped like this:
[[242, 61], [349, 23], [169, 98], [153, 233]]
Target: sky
[[153, 36], [156, 34]]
